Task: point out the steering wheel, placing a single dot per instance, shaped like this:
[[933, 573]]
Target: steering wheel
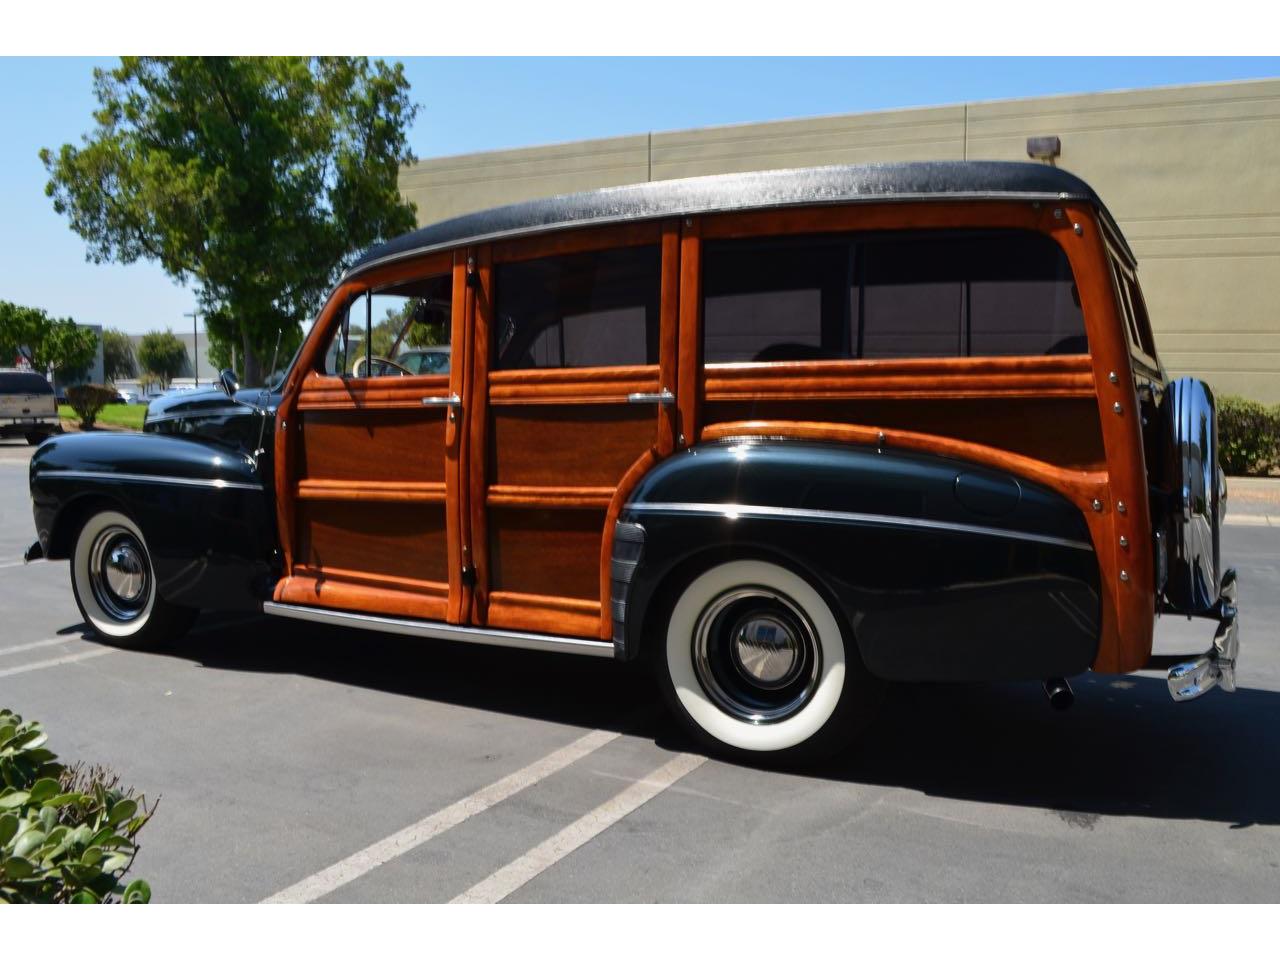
[[357, 368]]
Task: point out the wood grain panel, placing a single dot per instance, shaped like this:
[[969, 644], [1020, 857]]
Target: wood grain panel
[[376, 538], [581, 240], [355, 394], [392, 491], [1057, 431], [374, 445], [544, 614], [311, 591], [593, 385], [554, 553], [570, 444], [510, 495]]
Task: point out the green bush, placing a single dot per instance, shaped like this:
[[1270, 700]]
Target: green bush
[[66, 833], [87, 400], [1248, 436]]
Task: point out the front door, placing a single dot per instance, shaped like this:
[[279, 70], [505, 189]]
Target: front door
[[572, 401], [374, 457]]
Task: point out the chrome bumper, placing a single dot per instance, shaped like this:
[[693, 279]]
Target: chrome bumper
[[1217, 666]]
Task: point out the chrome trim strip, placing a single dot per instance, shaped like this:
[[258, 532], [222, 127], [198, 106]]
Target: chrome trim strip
[[147, 478], [734, 511], [442, 631], [203, 413]]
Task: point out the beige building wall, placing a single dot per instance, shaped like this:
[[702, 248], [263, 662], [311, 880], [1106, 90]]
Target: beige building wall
[[1191, 173]]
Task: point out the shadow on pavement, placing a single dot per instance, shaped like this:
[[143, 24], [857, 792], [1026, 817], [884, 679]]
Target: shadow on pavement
[[1124, 749]]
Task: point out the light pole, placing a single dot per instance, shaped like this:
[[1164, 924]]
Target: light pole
[[195, 345]]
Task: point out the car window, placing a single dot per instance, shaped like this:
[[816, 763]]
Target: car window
[[578, 310], [378, 327], [20, 382], [892, 295]]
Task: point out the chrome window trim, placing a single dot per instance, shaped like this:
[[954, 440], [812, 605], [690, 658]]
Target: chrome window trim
[[735, 511], [442, 631], [147, 478]]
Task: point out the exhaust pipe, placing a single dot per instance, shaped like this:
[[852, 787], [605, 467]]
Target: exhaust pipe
[[1059, 693]]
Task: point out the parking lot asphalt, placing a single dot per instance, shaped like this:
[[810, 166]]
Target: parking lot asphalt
[[301, 762]]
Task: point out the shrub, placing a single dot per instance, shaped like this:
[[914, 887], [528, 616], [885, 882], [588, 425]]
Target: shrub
[[66, 833], [1248, 436], [87, 400]]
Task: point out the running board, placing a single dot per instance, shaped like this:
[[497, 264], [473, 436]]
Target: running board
[[442, 631]]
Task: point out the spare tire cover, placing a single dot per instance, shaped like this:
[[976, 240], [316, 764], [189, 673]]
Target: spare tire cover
[[1199, 497]]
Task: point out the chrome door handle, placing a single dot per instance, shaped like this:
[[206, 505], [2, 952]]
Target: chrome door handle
[[663, 397], [453, 400]]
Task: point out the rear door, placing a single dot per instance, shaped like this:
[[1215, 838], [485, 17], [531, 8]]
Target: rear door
[[573, 401]]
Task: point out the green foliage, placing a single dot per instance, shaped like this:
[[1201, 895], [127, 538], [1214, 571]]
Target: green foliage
[[117, 355], [45, 341], [128, 415], [254, 177], [67, 834], [162, 355], [87, 400], [1248, 436]]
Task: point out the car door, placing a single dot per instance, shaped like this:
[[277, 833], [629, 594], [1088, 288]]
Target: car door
[[371, 479], [572, 401]]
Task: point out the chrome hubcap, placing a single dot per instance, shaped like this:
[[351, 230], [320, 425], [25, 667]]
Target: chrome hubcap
[[756, 654], [119, 574]]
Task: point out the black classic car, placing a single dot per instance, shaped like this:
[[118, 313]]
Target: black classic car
[[784, 436]]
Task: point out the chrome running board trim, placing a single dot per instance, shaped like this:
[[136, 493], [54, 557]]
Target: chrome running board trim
[[443, 631]]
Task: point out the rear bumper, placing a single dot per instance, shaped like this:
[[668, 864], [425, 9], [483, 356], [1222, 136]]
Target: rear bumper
[[21, 426], [1217, 666]]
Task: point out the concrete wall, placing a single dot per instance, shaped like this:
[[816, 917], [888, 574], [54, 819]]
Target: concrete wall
[[1191, 173]]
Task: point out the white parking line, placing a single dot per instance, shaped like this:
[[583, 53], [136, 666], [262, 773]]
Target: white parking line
[[504, 882], [18, 563], [57, 661], [401, 842], [52, 641]]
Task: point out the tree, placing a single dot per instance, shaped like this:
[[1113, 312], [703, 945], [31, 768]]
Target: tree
[[45, 341], [117, 355], [162, 355], [253, 177]]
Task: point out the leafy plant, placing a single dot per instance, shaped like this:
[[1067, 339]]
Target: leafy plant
[[45, 341], [67, 834], [117, 355], [87, 400], [1248, 436]]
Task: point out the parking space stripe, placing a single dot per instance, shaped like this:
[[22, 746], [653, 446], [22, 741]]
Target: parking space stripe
[[56, 661], [52, 641], [504, 882], [401, 842]]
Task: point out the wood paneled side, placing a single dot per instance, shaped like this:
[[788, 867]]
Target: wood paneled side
[[543, 614], [375, 445], [312, 591], [553, 446], [374, 537], [553, 553], [1063, 432]]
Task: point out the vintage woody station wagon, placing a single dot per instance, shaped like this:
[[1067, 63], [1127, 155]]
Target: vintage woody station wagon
[[786, 435]]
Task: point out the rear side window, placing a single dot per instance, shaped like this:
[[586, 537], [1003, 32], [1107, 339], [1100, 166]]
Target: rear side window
[[919, 294], [578, 310], [24, 383]]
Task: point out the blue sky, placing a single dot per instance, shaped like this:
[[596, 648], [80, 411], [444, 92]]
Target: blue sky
[[481, 104]]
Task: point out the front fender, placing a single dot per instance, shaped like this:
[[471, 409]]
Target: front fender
[[204, 511], [942, 570]]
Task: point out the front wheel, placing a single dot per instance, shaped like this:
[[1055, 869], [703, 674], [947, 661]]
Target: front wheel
[[757, 665], [114, 582]]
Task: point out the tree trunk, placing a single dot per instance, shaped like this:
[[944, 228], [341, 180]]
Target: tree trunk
[[252, 368]]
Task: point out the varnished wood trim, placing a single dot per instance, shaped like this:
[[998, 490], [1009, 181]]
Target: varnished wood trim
[[333, 594], [434, 264], [668, 335], [575, 385], [688, 394], [561, 615], [518, 495], [569, 241], [476, 463], [457, 445], [635, 473], [321, 392], [952, 377], [379, 490], [362, 578]]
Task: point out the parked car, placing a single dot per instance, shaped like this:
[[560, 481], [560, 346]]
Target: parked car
[[27, 406], [787, 436]]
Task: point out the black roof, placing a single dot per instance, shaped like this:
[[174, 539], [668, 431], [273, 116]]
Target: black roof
[[935, 180]]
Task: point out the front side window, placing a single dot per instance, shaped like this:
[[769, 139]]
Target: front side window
[[912, 294], [591, 309], [388, 331]]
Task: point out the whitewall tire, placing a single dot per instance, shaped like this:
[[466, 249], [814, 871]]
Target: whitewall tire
[[114, 582], [754, 660]]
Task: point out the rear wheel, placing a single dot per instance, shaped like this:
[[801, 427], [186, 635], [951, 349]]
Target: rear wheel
[[114, 582], [757, 665]]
